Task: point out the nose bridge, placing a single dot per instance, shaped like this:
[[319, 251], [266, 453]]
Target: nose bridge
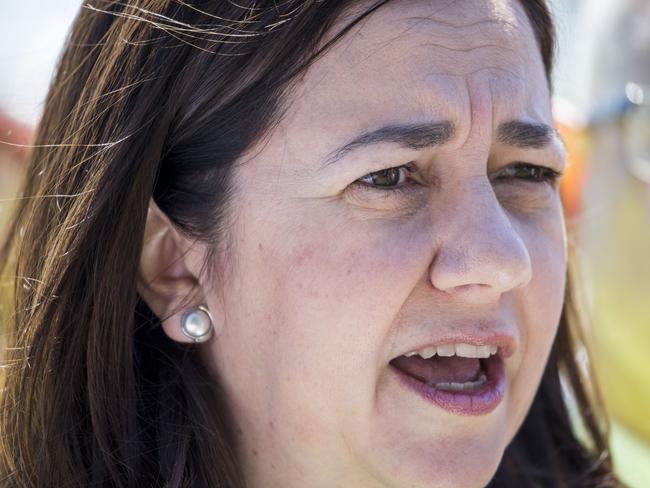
[[479, 246]]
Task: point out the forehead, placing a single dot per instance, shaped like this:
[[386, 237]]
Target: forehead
[[416, 60]]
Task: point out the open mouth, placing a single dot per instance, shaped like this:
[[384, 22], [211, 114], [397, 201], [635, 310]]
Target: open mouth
[[465, 379]]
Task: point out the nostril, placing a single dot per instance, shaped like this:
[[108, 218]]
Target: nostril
[[472, 288], [474, 293]]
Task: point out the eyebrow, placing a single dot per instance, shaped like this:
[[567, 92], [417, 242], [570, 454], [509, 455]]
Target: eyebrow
[[527, 134], [425, 135], [410, 136]]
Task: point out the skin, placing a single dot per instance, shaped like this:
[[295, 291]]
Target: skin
[[324, 280]]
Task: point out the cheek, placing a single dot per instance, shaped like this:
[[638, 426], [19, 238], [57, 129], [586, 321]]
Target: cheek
[[315, 301], [545, 294], [541, 303], [347, 285], [545, 238]]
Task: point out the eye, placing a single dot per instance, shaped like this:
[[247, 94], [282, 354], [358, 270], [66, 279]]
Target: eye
[[387, 179], [530, 172]]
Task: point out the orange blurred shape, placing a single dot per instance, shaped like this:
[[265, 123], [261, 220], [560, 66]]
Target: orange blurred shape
[[577, 171]]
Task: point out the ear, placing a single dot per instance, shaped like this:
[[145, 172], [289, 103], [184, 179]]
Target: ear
[[168, 276]]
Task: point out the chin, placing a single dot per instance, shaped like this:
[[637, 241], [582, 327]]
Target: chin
[[465, 471], [445, 463], [469, 477]]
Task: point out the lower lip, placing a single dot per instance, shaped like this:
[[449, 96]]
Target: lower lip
[[481, 401]]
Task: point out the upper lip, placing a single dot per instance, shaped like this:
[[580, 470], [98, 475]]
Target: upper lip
[[477, 336]]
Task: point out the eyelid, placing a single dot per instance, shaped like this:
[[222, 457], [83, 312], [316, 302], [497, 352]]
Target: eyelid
[[553, 174], [410, 168], [410, 185], [369, 192]]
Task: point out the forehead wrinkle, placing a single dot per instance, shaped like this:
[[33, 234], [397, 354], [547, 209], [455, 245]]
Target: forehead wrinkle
[[454, 40], [477, 116], [467, 49], [506, 19], [456, 53], [494, 14], [343, 66], [478, 23], [465, 74], [466, 64], [495, 23]]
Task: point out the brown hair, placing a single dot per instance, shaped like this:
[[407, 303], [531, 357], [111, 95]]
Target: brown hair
[[160, 98]]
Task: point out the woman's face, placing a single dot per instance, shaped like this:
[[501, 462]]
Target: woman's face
[[405, 201]]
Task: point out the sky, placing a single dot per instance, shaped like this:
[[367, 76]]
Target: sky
[[32, 33]]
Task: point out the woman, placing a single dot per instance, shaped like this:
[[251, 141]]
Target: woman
[[307, 244]]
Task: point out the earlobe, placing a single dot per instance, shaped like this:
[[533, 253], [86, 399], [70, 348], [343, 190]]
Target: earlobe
[[168, 281]]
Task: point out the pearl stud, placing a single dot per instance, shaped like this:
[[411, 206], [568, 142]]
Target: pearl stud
[[197, 324]]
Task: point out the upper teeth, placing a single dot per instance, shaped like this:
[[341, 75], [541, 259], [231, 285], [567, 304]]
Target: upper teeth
[[460, 349]]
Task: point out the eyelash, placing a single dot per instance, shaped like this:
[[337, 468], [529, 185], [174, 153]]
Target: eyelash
[[545, 174], [403, 188], [541, 174]]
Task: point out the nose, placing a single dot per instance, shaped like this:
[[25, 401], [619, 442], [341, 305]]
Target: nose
[[479, 250]]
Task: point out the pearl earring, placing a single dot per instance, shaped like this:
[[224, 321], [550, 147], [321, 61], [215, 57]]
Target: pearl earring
[[197, 324]]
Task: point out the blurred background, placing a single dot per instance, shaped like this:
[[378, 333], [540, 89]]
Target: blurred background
[[601, 105]]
